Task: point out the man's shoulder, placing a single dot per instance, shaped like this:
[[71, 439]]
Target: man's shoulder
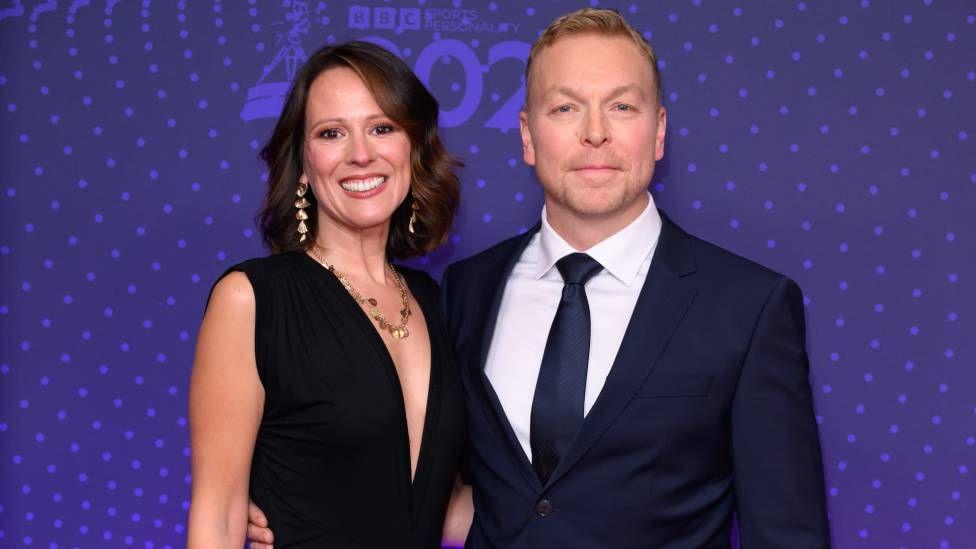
[[492, 258], [713, 260], [713, 255]]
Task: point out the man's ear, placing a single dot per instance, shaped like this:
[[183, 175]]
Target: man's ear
[[662, 130], [528, 151]]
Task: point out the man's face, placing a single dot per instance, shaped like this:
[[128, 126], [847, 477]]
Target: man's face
[[592, 127]]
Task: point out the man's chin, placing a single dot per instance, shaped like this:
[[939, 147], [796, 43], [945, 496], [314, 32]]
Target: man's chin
[[601, 203], [596, 205]]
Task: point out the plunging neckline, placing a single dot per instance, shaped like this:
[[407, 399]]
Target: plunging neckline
[[366, 324]]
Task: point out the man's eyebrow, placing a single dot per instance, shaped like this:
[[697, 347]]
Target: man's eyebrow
[[573, 94], [620, 90], [562, 90]]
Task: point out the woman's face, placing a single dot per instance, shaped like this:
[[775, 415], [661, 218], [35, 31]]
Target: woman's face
[[356, 159]]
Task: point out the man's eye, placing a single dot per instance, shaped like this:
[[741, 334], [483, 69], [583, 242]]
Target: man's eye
[[562, 109], [623, 107]]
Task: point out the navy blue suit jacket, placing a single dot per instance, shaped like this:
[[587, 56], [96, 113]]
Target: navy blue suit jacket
[[707, 411]]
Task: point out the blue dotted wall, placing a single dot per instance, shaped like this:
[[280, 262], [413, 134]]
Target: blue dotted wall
[[832, 141]]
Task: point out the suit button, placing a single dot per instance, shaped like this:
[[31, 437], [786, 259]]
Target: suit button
[[543, 508]]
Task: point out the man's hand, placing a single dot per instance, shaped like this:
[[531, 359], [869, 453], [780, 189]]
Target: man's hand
[[258, 532]]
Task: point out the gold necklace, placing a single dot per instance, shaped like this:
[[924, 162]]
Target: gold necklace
[[398, 332]]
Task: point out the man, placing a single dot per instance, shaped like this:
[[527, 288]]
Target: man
[[627, 384]]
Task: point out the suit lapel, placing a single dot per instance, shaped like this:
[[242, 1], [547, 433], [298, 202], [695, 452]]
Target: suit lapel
[[494, 288], [663, 301]]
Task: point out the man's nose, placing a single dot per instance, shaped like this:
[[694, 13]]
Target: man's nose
[[595, 132]]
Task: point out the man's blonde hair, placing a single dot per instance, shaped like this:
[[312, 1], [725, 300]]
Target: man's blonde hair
[[593, 21]]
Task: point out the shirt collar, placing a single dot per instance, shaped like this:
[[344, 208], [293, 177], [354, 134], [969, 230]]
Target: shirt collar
[[621, 254]]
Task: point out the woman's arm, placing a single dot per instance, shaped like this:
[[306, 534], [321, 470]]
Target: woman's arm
[[460, 511], [226, 402]]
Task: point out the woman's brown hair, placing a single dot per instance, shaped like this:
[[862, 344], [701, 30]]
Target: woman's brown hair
[[402, 97]]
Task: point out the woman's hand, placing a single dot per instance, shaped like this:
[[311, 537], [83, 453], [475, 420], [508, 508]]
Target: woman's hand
[[460, 512]]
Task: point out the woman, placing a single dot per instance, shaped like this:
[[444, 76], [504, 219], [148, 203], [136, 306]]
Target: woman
[[323, 384]]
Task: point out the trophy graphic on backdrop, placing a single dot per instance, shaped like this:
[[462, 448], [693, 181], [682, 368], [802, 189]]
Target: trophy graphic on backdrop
[[264, 99]]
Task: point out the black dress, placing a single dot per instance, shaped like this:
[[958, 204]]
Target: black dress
[[331, 465]]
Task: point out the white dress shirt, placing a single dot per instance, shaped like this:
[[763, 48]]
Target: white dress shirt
[[532, 294]]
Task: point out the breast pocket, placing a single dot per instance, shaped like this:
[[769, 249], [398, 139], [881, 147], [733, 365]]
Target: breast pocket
[[676, 386]]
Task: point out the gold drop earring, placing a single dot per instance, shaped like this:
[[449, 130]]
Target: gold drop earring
[[413, 213], [300, 204]]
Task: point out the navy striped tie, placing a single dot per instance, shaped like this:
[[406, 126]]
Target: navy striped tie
[[557, 409]]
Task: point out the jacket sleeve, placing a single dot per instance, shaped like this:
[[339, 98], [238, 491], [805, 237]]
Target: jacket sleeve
[[448, 303], [777, 465]]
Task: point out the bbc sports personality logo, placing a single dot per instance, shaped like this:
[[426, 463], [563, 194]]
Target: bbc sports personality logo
[[444, 20]]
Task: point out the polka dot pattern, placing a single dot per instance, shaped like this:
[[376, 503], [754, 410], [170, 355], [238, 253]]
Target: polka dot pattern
[[845, 162], [828, 140]]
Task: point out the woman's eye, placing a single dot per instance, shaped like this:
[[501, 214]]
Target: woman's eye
[[383, 129], [330, 133]]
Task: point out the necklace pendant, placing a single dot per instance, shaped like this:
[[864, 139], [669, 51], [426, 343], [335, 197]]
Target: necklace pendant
[[371, 304]]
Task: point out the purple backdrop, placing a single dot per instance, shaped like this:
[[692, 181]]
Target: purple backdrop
[[828, 140]]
